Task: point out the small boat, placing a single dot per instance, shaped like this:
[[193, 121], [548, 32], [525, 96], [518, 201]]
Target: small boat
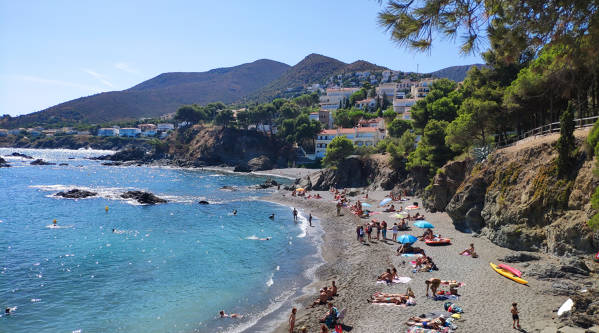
[[438, 241], [510, 269], [507, 274]]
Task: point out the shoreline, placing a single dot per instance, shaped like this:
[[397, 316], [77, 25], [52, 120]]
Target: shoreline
[[486, 297]]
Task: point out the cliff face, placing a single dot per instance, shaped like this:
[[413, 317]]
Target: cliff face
[[247, 150], [372, 171], [517, 200]]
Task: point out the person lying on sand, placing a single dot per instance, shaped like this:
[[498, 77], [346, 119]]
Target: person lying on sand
[[428, 234], [408, 248], [230, 315], [432, 323], [469, 252], [387, 276], [394, 274], [390, 209], [397, 300], [322, 298], [418, 217]]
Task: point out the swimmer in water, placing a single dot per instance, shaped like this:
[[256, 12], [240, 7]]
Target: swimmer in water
[[232, 315], [267, 238], [272, 216], [234, 211], [54, 222], [113, 231]]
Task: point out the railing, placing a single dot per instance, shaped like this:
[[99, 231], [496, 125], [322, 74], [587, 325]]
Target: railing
[[544, 130]]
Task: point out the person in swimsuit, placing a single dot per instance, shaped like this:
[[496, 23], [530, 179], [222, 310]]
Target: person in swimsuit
[[231, 315], [433, 284], [334, 288], [387, 276], [294, 214], [272, 216], [394, 229], [515, 317], [234, 211], [322, 298], [310, 219], [384, 230], [292, 320]]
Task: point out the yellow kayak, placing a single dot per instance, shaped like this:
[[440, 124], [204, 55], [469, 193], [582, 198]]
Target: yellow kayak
[[507, 274]]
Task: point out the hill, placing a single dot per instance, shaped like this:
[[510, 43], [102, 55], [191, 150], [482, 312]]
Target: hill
[[161, 94], [456, 73], [312, 69]]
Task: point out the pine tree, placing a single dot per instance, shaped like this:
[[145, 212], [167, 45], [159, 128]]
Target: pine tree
[[566, 142]]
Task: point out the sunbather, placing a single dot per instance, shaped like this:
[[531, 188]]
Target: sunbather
[[469, 251], [433, 323], [387, 276], [408, 248], [390, 209], [322, 298]]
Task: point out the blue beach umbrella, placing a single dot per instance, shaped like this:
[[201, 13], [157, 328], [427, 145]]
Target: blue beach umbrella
[[366, 204], [385, 201], [423, 224], [406, 239]]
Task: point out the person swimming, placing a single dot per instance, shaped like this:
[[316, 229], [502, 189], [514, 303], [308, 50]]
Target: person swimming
[[113, 230], [232, 315], [272, 216], [267, 238], [54, 222], [234, 211]]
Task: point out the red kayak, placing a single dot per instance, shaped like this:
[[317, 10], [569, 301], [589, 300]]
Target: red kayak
[[510, 269], [438, 241]]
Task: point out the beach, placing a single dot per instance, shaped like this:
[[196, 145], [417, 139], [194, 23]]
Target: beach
[[485, 297]]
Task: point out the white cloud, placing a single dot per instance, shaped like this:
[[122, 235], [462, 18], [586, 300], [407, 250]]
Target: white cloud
[[125, 68], [52, 82], [99, 77]]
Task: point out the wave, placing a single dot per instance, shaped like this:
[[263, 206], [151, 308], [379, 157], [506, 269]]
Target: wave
[[270, 281]]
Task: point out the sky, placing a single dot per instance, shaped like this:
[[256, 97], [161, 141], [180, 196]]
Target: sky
[[55, 51]]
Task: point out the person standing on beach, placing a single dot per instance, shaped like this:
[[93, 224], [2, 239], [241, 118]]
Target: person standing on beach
[[338, 208], [310, 219], [369, 231], [292, 320], [294, 214], [384, 230], [515, 317], [358, 228], [394, 229]]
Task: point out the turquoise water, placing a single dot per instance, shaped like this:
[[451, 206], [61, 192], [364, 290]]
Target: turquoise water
[[165, 268]]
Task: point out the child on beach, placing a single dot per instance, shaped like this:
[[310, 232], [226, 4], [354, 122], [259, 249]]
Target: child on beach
[[515, 316]]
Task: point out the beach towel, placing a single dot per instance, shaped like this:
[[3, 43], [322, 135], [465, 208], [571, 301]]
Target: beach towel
[[401, 279], [411, 255], [415, 329], [446, 297]]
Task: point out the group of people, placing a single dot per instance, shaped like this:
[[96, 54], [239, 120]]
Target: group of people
[[326, 294]]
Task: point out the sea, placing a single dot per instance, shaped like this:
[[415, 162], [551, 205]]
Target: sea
[[113, 265]]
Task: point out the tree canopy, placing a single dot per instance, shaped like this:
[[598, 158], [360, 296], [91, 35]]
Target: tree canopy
[[339, 148]]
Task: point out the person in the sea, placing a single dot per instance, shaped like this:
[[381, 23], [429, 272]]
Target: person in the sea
[[294, 214], [292, 320], [310, 219], [54, 222], [234, 211], [7, 311], [267, 238], [515, 315], [113, 230], [230, 315], [272, 216]]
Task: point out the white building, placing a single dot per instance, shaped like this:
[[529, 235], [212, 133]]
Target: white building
[[403, 105], [130, 132], [165, 127], [368, 103], [108, 131], [374, 123], [387, 89], [313, 116], [360, 136]]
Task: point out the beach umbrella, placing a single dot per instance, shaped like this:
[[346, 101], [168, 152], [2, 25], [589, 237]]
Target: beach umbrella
[[423, 224], [401, 215], [385, 201], [411, 207], [366, 204], [406, 239]]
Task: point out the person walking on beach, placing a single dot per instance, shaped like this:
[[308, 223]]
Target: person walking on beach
[[394, 229], [292, 320], [294, 214], [310, 219], [515, 317]]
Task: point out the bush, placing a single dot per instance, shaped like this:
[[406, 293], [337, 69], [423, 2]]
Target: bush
[[339, 148], [566, 142]]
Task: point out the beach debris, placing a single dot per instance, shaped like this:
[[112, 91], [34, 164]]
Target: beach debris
[[145, 198], [76, 194]]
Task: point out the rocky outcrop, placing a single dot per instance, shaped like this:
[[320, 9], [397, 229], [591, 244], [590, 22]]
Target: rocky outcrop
[[39, 161], [130, 154], [585, 312], [372, 171], [76, 194], [145, 198], [517, 200], [3, 163], [247, 150], [520, 257], [21, 155], [267, 184], [445, 184]]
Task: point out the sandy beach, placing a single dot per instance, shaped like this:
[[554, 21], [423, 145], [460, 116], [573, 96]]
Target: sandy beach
[[486, 296]]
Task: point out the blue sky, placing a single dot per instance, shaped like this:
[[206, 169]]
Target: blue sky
[[54, 51]]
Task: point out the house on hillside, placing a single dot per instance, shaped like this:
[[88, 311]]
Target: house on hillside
[[130, 132], [148, 129], [378, 122], [386, 89], [421, 88], [364, 104], [165, 127], [108, 131], [403, 105], [360, 136], [325, 118]]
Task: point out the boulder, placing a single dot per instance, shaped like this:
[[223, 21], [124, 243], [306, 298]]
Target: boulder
[[585, 312], [112, 163], [21, 155], [39, 161], [243, 167], [203, 202], [76, 194], [63, 164], [267, 184], [145, 198], [260, 163], [130, 154], [519, 257], [3, 163]]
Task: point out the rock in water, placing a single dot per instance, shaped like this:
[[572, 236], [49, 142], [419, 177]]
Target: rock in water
[[21, 155], [76, 194], [203, 202], [39, 161], [145, 198], [3, 163]]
